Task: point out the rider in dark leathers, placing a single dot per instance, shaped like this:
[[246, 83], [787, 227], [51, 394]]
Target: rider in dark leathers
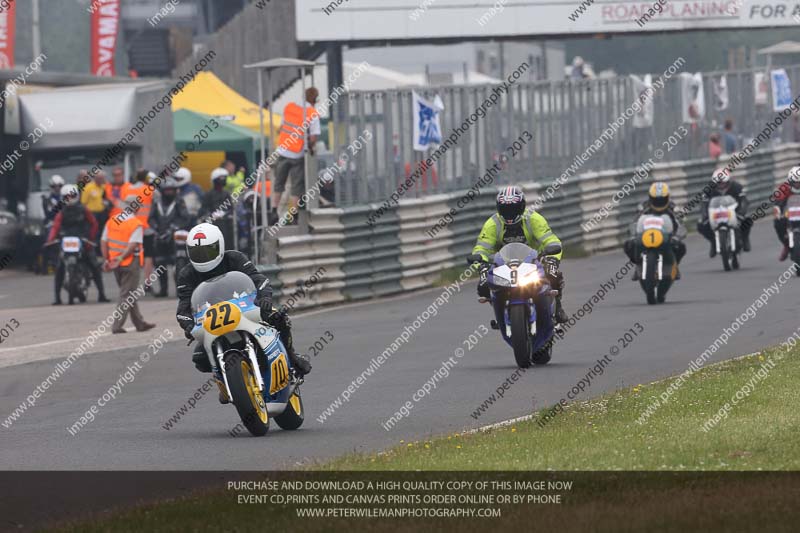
[[167, 215], [723, 185], [75, 219], [786, 190], [228, 261]]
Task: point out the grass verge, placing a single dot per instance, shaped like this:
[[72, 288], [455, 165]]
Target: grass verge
[[760, 432], [603, 433]]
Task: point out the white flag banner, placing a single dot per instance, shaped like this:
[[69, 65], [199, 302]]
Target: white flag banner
[[427, 123], [761, 88], [720, 85], [644, 88], [692, 97]]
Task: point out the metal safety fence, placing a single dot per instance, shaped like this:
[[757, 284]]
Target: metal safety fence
[[564, 119]]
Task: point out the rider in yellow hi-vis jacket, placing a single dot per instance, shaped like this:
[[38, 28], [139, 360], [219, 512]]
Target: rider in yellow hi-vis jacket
[[514, 223]]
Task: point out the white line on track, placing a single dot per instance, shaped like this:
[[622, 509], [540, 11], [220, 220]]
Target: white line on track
[[336, 308]]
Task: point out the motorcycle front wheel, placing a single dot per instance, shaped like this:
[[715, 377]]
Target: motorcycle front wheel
[[649, 280], [794, 253], [520, 334], [294, 415], [245, 394], [724, 250]]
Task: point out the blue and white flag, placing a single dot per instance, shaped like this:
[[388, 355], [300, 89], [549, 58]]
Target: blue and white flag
[[781, 90], [427, 125]]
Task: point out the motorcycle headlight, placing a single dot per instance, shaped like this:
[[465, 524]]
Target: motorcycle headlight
[[530, 278]]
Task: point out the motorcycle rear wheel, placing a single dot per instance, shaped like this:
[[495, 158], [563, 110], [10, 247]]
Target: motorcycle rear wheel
[[245, 395], [520, 335]]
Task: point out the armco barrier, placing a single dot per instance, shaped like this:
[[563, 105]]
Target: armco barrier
[[396, 254]]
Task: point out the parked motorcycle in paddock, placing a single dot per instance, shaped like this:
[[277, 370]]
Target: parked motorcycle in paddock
[[725, 225], [523, 300], [247, 354], [77, 277], [792, 215], [659, 267]]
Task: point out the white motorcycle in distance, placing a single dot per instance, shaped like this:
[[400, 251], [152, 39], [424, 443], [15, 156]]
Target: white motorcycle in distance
[[792, 215], [249, 355], [725, 225]]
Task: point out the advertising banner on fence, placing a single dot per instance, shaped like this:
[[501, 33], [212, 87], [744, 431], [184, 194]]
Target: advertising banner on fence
[[760, 88], [427, 125], [692, 98], [720, 86], [8, 16], [781, 90], [105, 27]]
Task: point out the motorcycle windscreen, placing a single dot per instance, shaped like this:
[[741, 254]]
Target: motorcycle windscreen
[[517, 253], [236, 287]]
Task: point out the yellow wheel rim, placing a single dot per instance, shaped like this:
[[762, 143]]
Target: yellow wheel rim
[[295, 401], [255, 395]]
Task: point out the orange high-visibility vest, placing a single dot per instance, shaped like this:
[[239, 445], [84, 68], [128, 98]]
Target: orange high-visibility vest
[[114, 194], [292, 134], [265, 187], [146, 193], [118, 235]]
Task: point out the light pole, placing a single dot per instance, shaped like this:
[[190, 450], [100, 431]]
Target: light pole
[[37, 37]]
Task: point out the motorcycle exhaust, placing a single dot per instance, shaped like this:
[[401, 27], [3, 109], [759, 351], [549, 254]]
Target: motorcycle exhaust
[[275, 408]]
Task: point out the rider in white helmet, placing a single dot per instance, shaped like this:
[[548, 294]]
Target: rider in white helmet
[[53, 199], [206, 250], [722, 184], [787, 189], [75, 220], [191, 193]]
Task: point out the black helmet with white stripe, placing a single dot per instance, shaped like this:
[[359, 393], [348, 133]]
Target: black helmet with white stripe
[[511, 204]]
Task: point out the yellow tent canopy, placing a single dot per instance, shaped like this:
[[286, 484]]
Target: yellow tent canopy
[[210, 95]]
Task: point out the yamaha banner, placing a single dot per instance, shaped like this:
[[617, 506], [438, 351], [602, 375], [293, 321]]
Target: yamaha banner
[[8, 11], [105, 26]]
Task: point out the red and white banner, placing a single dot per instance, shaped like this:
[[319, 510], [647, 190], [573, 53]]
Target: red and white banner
[[105, 26], [7, 34]]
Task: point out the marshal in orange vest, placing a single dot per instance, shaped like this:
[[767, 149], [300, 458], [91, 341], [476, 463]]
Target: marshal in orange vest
[[118, 235], [292, 134]]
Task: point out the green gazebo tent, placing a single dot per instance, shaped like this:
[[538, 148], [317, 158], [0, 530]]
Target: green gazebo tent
[[190, 127]]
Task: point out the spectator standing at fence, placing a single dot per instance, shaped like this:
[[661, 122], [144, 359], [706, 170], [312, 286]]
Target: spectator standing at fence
[[235, 180], [714, 148], [298, 132], [729, 137]]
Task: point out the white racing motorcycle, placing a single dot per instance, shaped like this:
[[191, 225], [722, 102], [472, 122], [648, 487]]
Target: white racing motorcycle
[[249, 355], [725, 225]]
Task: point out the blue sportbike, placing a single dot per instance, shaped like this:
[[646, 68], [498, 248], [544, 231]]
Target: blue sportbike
[[523, 300]]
